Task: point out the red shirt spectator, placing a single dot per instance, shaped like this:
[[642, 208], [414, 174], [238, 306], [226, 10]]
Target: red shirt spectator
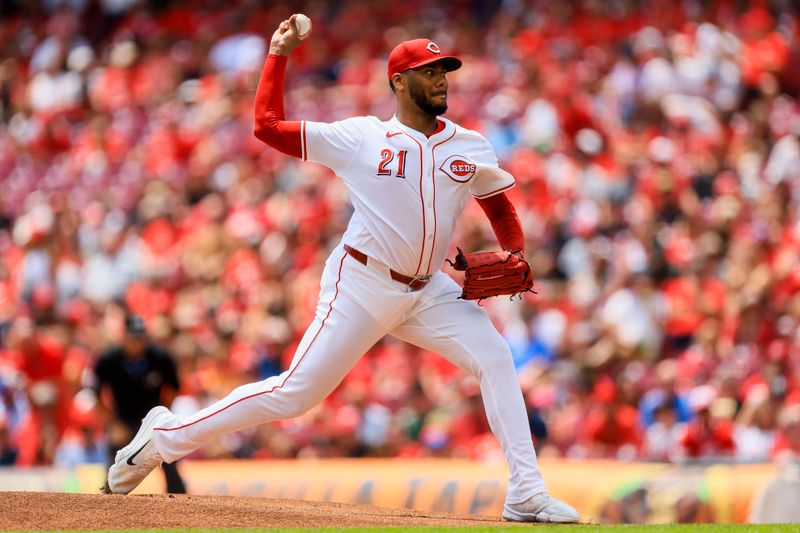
[[708, 436], [788, 437], [611, 428]]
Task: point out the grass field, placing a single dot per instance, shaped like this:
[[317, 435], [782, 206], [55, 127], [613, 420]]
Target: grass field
[[647, 528]]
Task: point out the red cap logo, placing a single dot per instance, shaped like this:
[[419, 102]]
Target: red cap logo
[[459, 168], [417, 53]]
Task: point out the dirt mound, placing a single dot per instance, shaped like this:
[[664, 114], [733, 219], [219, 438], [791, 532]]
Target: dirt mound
[[47, 510]]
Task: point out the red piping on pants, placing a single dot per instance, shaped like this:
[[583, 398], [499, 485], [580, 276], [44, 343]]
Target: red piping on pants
[[290, 373]]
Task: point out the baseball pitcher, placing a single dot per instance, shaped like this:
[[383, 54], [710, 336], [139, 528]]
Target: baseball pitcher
[[409, 178]]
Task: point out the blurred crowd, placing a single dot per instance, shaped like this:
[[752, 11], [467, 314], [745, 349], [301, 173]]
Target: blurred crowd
[[657, 154]]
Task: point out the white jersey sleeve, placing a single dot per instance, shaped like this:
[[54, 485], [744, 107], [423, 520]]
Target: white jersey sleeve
[[332, 144], [489, 178]]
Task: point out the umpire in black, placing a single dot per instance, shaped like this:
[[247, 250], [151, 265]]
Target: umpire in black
[[132, 378]]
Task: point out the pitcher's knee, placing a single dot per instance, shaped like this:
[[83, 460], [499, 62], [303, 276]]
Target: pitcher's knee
[[501, 364], [294, 403], [295, 408], [494, 357]]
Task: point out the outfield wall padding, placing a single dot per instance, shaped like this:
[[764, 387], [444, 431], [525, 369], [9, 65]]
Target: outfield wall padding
[[603, 491]]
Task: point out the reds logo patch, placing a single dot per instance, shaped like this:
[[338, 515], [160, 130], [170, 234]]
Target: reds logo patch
[[433, 47], [458, 168]]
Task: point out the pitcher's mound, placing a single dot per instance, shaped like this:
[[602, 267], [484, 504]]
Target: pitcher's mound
[[47, 510]]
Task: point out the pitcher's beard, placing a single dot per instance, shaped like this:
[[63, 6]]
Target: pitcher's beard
[[426, 105]]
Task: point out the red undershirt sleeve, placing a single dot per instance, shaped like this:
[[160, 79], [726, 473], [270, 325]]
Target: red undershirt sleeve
[[270, 126], [505, 222]]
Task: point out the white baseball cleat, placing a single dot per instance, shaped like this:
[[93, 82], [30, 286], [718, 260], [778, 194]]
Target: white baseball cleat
[[541, 508], [133, 462]]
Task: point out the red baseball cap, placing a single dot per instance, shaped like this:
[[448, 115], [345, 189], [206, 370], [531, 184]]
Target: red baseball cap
[[419, 52]]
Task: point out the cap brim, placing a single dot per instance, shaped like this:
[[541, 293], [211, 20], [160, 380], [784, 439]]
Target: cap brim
[[451, 62]]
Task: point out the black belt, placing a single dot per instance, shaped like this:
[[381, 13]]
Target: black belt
[[414, 283]]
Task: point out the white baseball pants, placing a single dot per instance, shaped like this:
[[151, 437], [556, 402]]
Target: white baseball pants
[[358, 305]]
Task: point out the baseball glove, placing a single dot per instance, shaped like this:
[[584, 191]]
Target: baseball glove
[[489, 274]]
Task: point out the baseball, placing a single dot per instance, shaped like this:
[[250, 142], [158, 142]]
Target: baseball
[[303, 25]]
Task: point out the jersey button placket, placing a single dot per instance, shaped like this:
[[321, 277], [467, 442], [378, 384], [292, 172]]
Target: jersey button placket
[[429, 207]]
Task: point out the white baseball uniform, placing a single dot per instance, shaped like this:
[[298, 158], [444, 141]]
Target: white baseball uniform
[[408, 191]]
